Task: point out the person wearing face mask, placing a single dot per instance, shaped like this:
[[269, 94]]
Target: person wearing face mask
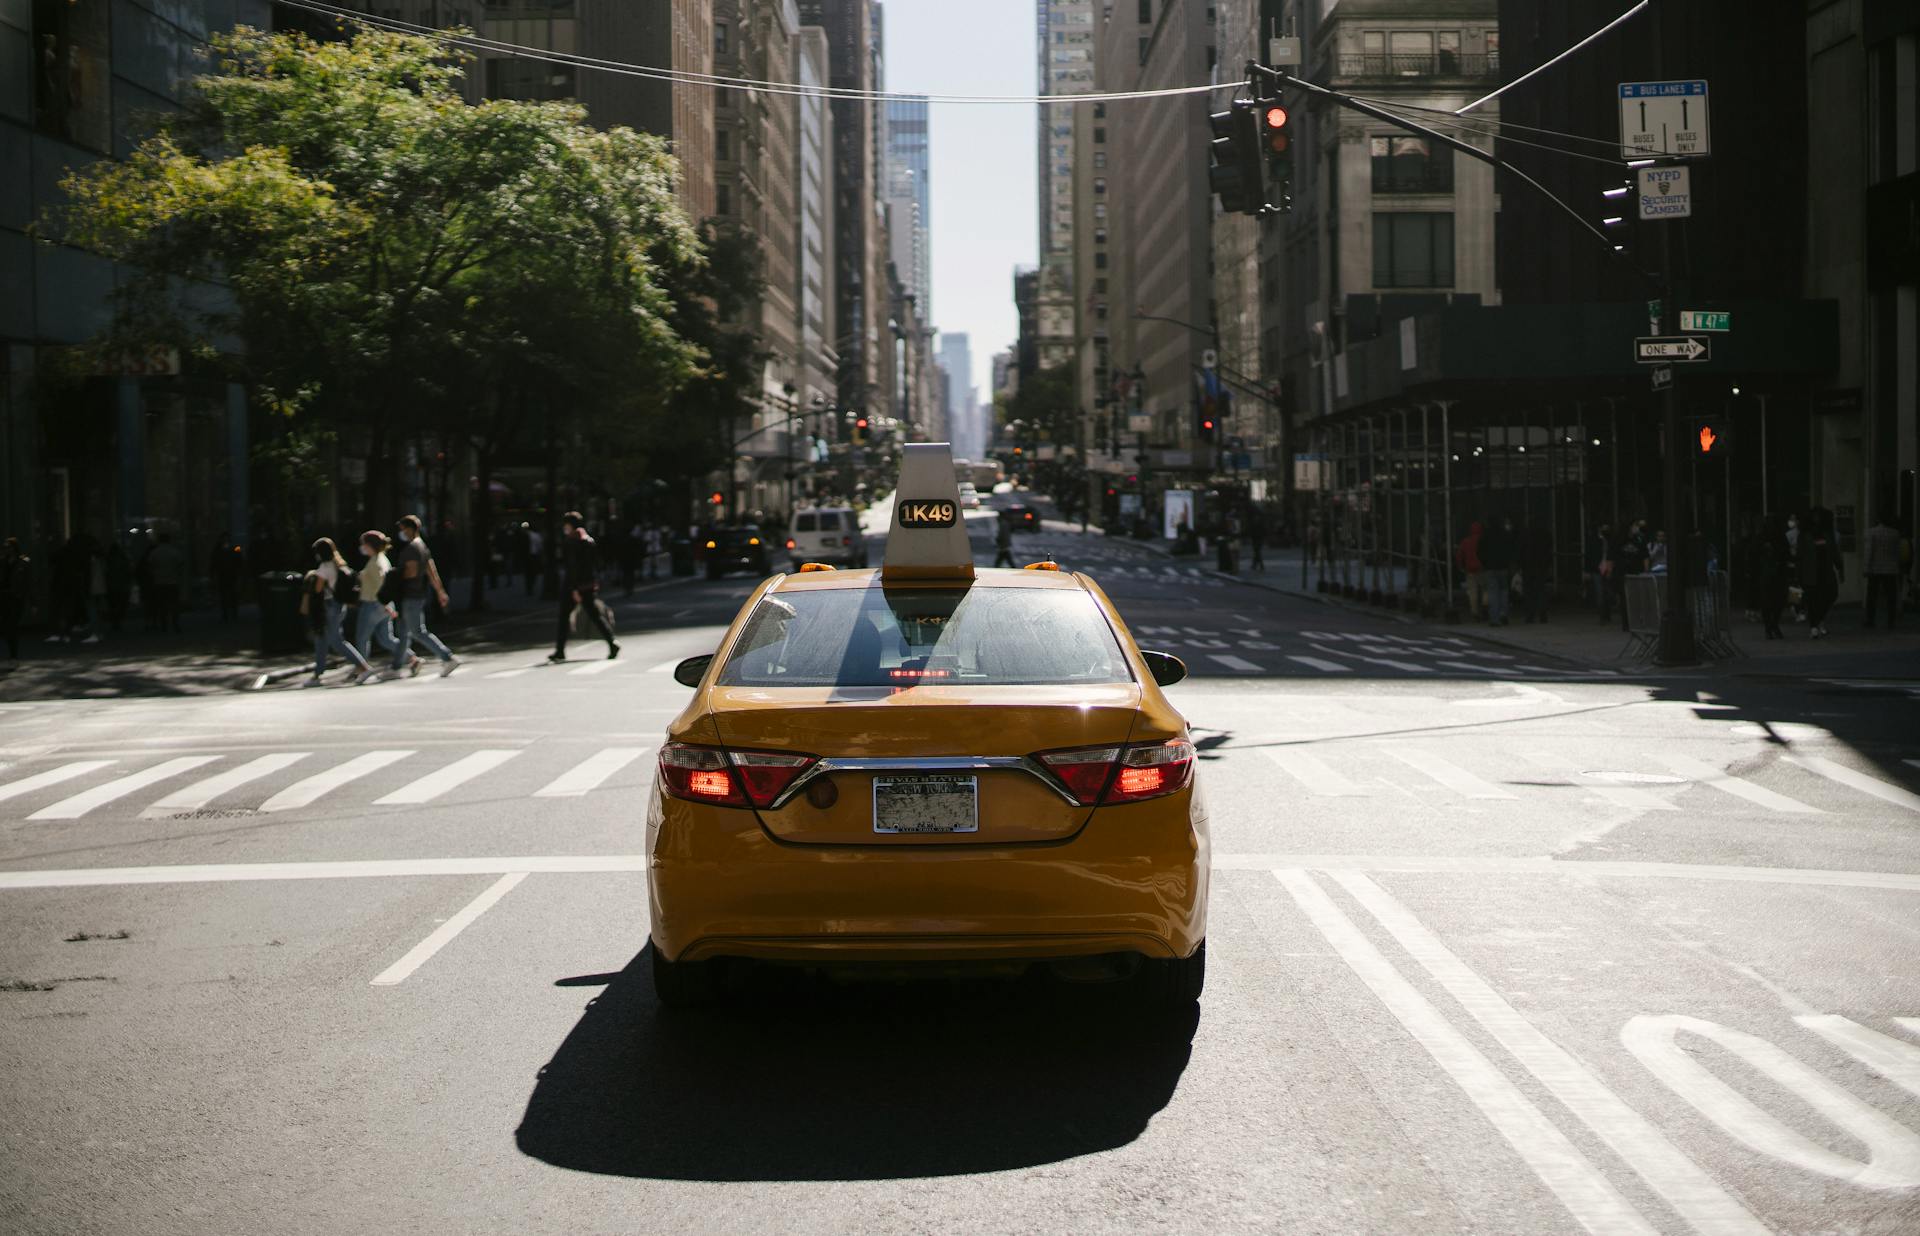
[[413, 563], [375, 620]]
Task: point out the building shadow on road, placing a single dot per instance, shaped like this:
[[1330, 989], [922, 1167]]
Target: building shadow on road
[[793, 1079]]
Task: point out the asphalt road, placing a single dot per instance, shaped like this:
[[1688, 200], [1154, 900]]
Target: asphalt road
[[1496, 946]]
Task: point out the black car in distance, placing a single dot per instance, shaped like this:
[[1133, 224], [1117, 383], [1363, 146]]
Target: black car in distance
[[738, 548]]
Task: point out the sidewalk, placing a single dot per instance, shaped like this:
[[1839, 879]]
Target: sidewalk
[[1574, 631], [209, 655]]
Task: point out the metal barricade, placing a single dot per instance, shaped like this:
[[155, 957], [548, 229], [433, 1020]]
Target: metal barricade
[[1646, 597], [1713, 616]]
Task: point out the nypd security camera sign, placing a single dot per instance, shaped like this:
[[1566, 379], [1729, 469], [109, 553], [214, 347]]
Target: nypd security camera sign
[[1665, 193]]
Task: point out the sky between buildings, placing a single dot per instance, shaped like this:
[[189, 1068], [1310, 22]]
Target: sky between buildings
[[983, 157]]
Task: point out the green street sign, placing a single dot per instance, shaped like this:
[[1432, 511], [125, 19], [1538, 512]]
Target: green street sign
[[1705, 319]]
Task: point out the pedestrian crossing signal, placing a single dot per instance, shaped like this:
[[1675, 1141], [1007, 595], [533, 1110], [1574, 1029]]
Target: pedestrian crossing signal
[[1710, 438]]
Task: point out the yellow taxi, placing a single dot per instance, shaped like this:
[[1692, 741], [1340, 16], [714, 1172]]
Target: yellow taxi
[[929, 763]]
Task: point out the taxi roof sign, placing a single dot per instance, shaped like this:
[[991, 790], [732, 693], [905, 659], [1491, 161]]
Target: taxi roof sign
[[928, 539]]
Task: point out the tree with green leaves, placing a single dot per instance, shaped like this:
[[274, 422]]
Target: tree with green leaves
[[395, 262]]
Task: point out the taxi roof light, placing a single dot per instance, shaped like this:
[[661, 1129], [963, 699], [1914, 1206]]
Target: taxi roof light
[[928, 537], [1041, 566], [815, 566]]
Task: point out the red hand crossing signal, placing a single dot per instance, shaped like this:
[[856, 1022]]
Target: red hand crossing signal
[[1707, 439]]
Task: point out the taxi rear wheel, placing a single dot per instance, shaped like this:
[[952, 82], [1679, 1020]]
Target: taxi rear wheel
[[682, 984], [1175, 983]]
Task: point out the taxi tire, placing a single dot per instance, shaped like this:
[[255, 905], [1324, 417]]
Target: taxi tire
[[683, 984], [1174, 984]]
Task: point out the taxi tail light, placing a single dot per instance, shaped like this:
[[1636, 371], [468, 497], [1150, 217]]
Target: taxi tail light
[[1104, 775], [728, 778], [766, 773]]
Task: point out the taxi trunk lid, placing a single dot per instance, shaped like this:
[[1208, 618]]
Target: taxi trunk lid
[[910, 740]]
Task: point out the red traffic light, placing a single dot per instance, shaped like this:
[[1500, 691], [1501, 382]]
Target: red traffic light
[[861, 423], [716, 498], [1207, 425], [1276, 117]]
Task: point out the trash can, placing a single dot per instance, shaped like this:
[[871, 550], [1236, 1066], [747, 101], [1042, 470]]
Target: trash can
[[282, 629], [680, 551]]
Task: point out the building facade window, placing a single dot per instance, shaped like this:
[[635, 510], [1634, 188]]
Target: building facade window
[[1146, 12], [1100, 160], [1100, 261], [722, 200], [1412, 249], [1099, 184], [1411, 165], [720, 38], [723, 147]]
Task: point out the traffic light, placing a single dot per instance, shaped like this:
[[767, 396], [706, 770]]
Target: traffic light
[[1207, 426], [1276, 136], [1712, 437], [715, 498], [1234, 175], [860, 431]]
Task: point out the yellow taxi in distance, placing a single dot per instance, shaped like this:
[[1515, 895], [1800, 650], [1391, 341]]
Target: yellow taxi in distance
[[929, 763]]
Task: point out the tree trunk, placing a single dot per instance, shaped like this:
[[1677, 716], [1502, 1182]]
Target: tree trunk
[[480, 516]]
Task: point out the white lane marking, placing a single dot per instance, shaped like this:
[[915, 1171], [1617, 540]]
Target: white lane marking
[[1329, 667], [228, 873], [598, 667], [1894, 1059], [53, 776], [1832, 770], [100, 795], [1478, 669], [1404, 666], [1313, 772], [439, 781], [200, 793], [303, 792], [1893, 1150], [664, 666], [1591, 1199], [419, 953], [512, 673], [1234, 663], [1447, 773], [590, 772], [1618, 795], [1739, 787], [1695, 1195]]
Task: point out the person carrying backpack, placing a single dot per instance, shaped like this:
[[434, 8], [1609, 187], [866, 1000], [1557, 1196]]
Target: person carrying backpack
[[580, 584], [330, 587]]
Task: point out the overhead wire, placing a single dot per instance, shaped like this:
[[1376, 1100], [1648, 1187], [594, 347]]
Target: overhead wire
[[1480, 130], [687, 77], [1547, 64], [1501, 121]]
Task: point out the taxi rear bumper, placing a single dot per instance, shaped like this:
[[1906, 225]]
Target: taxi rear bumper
[[1134, 880]]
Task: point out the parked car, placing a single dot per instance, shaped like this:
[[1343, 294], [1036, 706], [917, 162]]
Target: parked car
[[1022, 517], [739, 548], [969, 496], [827, 534]]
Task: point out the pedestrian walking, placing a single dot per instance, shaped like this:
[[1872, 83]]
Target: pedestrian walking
[[1498, 553], [167, 572], [525, 562], [1882, 568], [580, 584], [1256, 537], [226, 563], [1003, 544], [1771, 566], [1536, 566], [1820, 570], [412, 562], [330, 587], [1472, 566], [374, 622], [16, 579], [1657, 553]]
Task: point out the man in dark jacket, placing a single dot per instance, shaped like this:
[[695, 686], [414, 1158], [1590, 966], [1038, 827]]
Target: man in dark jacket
[[579, 583], [1498, 551]]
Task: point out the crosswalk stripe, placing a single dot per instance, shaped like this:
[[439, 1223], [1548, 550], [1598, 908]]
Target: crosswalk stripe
[[100, 795], [590, 772], [1234, 663], [597, 667], [510, 673], [1468, 665], [1739, 787], [1882, 790], [1447, 773], [1313, 772], [439, 781], [1404, 666], [663, 667], [200, 793], [1618, 795], [1693, 1194], [1327, 667], [1560, 1164], [306, 791], [53, 776]]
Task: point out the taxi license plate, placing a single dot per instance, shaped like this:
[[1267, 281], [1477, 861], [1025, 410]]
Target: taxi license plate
[[926, 803]]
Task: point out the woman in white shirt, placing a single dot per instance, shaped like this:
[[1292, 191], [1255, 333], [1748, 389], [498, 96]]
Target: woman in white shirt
[[324, 612], [376, 616]]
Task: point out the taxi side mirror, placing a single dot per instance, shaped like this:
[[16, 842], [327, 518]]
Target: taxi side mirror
[[1166, 668], [690, 671]]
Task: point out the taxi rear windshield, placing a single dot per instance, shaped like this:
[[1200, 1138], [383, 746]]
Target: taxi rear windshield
[[894, 637]]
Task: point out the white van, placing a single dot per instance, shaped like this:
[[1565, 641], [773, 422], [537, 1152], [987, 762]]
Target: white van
[[827, 534]]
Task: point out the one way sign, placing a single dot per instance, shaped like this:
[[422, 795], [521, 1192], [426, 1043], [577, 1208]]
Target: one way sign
[[1658, 349]]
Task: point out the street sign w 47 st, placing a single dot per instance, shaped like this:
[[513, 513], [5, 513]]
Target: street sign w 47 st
[[1660, 349]]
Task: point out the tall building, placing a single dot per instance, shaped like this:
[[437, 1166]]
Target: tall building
[[956, 355], [159, 440], [1065, 45], [863, 336], [908, 181], [675, 34], [817, 359]]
